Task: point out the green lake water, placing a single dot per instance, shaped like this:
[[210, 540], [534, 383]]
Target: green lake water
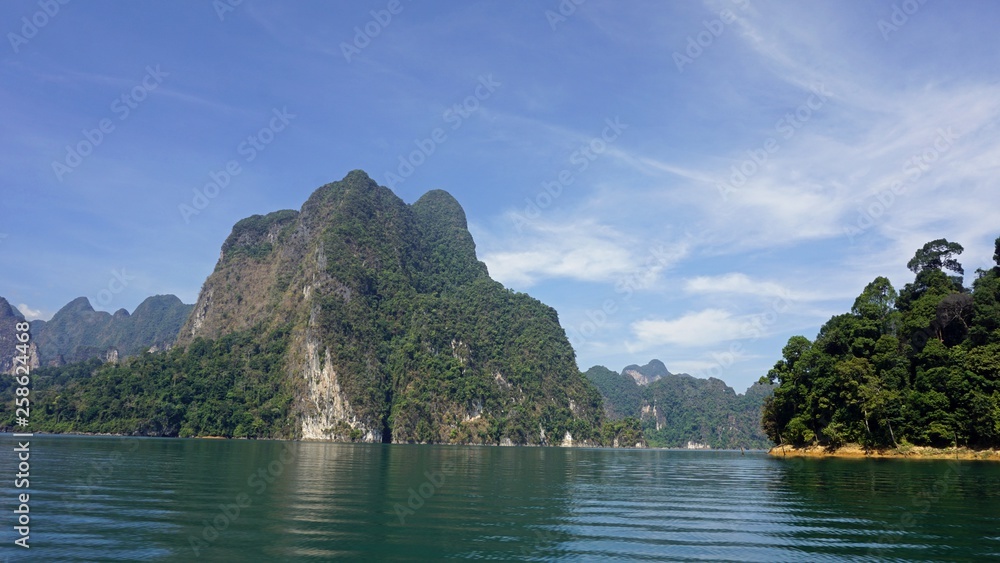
[[143, 499]]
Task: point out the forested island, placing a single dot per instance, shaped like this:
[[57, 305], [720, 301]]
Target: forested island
[[902, 371]]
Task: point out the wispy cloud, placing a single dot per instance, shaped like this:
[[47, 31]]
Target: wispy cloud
[[738, 283], [862, 143], [69, 77], [29, 313], [707, 327], [583, 251]]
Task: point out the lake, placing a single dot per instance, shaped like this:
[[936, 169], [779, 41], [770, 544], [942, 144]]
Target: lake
[[149, 499]]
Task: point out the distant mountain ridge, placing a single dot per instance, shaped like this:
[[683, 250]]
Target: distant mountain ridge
[[77, 332], [678, 409]]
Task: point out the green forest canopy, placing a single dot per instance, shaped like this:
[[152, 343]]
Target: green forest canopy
[[921, 366]]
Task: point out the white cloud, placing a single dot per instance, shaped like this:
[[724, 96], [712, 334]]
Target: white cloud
[[696, 329], [600, 260], [691, 367], [738, 283], [29, 313], [735, 282], [582, 250]]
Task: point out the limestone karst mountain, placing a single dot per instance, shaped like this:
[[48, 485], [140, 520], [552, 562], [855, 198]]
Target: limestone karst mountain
[[396, 331], [357, 318], [676, 409]]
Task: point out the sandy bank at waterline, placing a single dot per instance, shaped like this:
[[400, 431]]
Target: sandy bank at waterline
[[902, 452]]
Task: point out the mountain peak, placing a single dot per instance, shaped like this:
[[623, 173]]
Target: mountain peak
[[78, 305], [8, 311], [358, 176], [644, 375], [255, 236], [442, 222], [169, 300], [443, 205]]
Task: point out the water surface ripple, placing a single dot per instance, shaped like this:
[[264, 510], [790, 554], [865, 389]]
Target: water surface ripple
[[139, 499]]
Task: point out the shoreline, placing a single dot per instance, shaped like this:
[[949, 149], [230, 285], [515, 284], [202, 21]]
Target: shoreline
[[581, 445], [855, 451]]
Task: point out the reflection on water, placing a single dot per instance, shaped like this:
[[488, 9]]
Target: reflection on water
[[102, 498]]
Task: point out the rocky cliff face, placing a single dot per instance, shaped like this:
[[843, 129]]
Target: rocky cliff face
[[644, 375], [9, 318], [397, 331]]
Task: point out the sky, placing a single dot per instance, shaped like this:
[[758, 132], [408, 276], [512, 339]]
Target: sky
[[692, 182]]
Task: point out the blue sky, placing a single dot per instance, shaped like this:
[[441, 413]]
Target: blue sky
[[693, 182]]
